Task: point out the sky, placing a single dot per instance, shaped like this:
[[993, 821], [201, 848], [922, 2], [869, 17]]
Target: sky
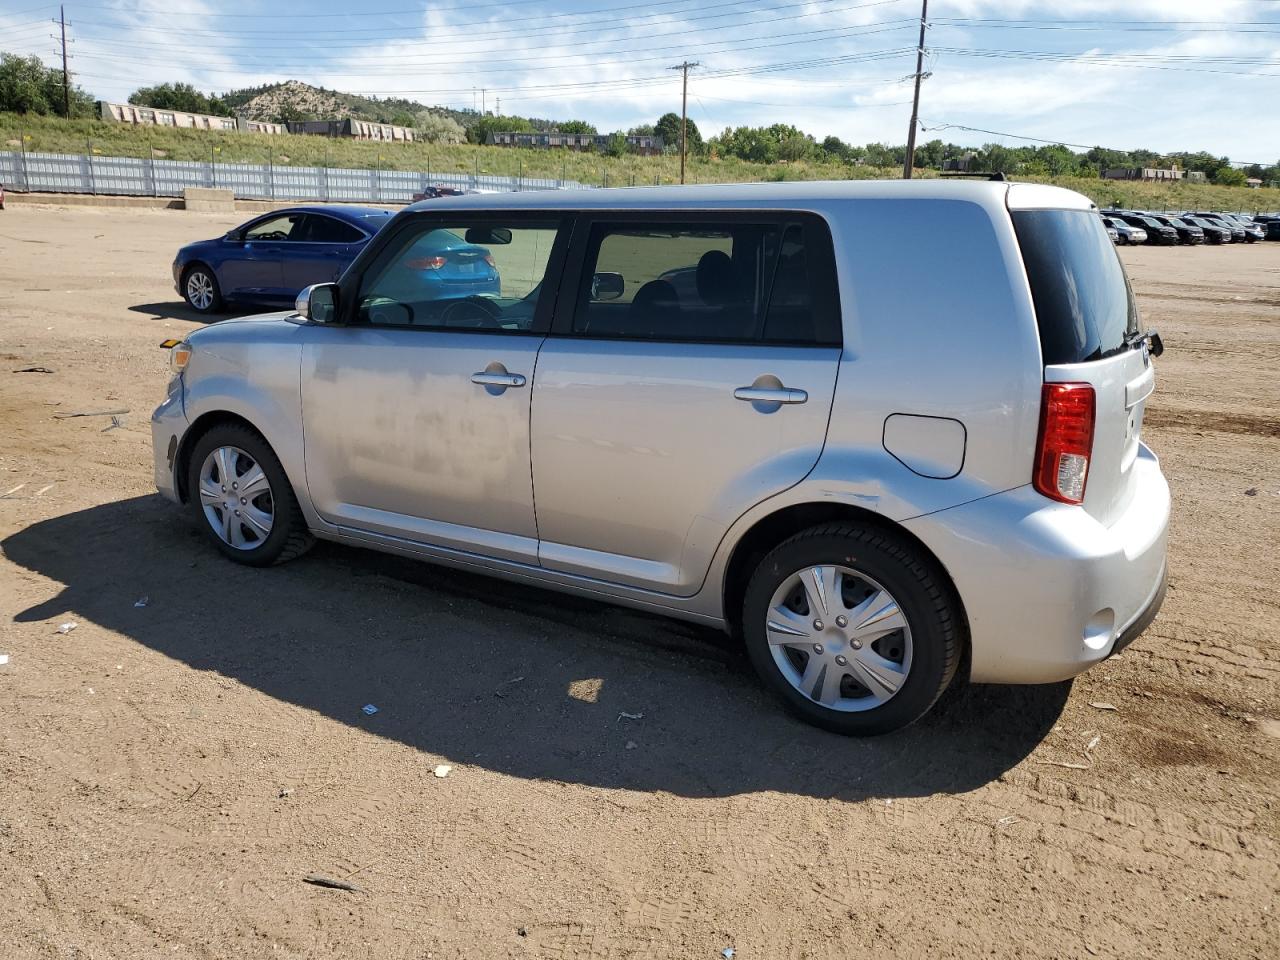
[[1166, 75]]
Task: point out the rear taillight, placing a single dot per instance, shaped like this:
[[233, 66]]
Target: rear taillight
[[489, 261], [1066, 441], [425, 263]]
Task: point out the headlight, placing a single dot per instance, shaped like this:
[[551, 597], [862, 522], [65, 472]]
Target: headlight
[[179, 356]]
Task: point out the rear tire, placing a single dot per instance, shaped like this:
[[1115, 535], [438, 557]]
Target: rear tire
[[239, 495], [854, 628], [200, 289]]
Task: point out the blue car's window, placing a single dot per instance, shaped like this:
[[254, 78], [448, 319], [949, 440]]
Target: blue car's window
[[276, 228], [478, 276], [322, 229]]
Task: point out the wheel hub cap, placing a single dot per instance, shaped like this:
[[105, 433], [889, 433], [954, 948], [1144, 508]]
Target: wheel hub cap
[[839, 638], [236, 498]]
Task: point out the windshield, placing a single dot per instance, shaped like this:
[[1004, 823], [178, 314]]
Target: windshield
[[1084, 306]]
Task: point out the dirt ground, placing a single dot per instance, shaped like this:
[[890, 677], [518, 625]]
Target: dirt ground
[[172, 771]]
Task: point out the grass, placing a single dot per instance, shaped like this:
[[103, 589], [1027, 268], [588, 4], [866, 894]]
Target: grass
[[55, 135]]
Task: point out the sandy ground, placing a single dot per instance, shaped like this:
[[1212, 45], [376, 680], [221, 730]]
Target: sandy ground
[[171, 772]]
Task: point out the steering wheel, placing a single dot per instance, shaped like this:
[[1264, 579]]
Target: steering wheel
[[477, 312]]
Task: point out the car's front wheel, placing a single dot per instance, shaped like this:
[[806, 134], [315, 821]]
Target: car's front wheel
[[200, 289], [241, 498], [853, 628]]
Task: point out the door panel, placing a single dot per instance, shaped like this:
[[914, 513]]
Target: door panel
[[308, 263], [643, 456], [401, 441], [253, 269]]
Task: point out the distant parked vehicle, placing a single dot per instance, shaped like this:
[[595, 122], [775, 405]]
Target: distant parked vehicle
[[1188, 233], [1126, 232], [1112, 234], [1238, 234], [434, 193], [1270, 224], [272, 257], [1214, 230], [1157, 232]]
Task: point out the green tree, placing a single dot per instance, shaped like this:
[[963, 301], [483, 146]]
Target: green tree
[[481, 127], [177, 96], [437, 128], [1229, 177], [28, 86], [930, 155], [668, 128], [836, 148], [644, 130], [616, 145], [576, 126]]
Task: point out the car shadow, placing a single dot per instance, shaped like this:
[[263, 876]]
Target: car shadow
[[519, 680], [178, 310]]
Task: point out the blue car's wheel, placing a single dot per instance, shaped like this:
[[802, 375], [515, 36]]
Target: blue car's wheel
[[200, 289]]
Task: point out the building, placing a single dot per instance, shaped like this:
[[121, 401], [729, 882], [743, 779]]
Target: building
[[153, 116], [1253, 183], [961, 164], [351, 128], [1143, 173], [1196, 176], [646, 144]]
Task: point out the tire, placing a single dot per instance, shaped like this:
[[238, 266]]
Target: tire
[[233, 519], [884, 650], [200, 289]]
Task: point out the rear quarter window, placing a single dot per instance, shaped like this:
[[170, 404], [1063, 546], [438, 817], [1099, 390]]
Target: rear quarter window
[[1084, 306]]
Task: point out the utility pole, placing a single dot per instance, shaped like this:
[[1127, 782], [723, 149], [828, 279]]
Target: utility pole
[[497, 110], [482, 109], [915, 103], [66, 76], [684, 112]]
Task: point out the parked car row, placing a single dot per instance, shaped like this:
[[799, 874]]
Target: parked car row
[[1192, 227]]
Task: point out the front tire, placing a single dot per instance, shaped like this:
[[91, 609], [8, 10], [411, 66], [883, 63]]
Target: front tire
[[200, 289], [240, 497], [854, 628]]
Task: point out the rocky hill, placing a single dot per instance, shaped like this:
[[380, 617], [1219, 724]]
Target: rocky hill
[[295, 100]]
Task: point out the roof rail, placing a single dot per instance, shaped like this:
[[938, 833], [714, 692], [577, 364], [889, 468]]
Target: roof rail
[[975, 174]]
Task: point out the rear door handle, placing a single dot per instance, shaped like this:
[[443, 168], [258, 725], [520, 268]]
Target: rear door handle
[[498, 379], [771, 394]]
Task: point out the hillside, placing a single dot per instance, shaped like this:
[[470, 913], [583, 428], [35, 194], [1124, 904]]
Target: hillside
[[55, 135], [295, 100]]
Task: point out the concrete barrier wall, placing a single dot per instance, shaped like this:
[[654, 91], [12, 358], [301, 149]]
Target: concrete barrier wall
[[130, 176]]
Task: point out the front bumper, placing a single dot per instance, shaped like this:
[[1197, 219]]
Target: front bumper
[[1047, 589], [168, 424]]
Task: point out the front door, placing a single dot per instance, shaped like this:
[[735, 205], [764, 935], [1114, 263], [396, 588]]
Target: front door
[[416, 413], [689, 376], [328, 245], [253, 270]]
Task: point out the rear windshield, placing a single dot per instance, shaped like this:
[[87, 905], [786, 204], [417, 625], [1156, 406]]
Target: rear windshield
[[1084, 307]]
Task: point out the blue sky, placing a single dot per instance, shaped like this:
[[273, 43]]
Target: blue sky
[[1163, 74]]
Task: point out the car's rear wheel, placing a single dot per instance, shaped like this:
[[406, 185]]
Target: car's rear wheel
[[241, 498], [853, 628], [200, 289]]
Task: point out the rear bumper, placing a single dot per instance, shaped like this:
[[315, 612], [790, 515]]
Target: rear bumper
[[1047, 589]]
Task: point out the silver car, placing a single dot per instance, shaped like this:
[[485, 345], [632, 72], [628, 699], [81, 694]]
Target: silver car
[[879, 455]]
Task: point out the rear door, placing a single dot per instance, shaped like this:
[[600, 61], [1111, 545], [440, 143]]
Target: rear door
[[1089, 333], [689, 376], [326, 247]]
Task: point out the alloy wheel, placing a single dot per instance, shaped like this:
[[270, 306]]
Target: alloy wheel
[[200, 290]]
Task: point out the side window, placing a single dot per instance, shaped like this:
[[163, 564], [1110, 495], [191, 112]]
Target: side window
[[321, 229], [482, 275], [276, 228], [732, 282]]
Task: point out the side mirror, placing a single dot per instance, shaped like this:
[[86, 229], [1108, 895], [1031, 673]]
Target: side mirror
[[607, 286], [318, 303], [233, 236]]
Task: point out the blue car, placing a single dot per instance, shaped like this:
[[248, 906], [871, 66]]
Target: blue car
[[271, 258]]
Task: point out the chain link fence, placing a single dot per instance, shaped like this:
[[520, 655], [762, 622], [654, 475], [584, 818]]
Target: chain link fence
[[128, 176]]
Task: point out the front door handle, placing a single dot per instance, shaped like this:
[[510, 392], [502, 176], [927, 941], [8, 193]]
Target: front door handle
[[496, 379], [771, 394]]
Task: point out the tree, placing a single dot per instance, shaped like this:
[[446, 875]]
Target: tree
[[576, 126], [616, 145], [644, 130], [478, 131], [668, 128], [1229, 177], [436, 128], [177, 96], [836, 148], [28, 86]]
